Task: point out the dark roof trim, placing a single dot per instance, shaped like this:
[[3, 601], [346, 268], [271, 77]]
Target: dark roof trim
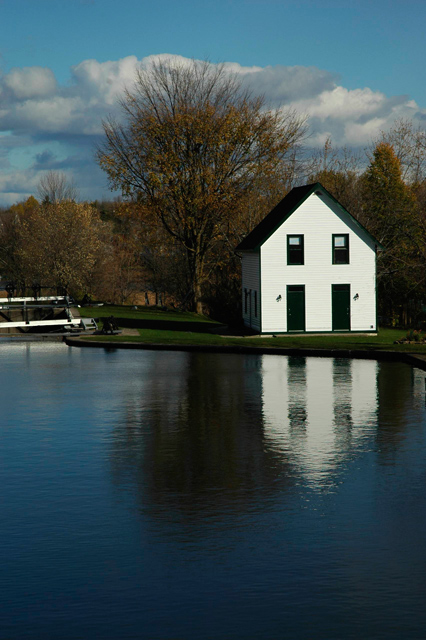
[[283, 211]]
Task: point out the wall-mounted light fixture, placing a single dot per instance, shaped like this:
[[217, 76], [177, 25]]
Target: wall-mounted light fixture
[[356, 296], [279, 298]]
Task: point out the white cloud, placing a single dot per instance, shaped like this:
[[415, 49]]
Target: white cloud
[[350, 117], [281, 85], [18, 184], [357, 133], [30, 82], [35, 108], [103, 81], [343, 104], [58, 115]]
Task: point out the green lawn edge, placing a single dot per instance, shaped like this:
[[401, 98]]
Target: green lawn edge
[[211, 336], [136, 312]]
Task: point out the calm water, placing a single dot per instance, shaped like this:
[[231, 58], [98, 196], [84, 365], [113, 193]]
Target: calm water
[[172, 496]]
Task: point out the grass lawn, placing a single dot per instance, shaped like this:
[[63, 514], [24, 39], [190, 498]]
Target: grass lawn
[[155, 327], [143, 313]]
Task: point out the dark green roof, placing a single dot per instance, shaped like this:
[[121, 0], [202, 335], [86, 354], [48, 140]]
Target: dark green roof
[[283, 211]]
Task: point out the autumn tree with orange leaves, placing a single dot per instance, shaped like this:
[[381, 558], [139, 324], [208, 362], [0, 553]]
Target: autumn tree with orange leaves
[[60, 245], [192, 145]]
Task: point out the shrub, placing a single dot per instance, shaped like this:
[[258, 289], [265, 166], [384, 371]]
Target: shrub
[[414, 336]]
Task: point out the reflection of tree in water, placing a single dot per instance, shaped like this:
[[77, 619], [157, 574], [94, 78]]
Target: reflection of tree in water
[[205, 432], [394, 385], [395, 402], [197, 443]]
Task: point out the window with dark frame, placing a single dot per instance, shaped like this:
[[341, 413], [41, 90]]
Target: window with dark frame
[[245, 300], [341, 248], [255, 304], [295, 251]]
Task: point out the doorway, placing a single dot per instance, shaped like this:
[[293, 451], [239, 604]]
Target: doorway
[[341, 307], [296, 307]]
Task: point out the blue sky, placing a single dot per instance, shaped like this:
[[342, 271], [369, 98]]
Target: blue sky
[[354, 67]]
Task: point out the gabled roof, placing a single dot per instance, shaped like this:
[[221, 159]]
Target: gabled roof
[[283, 211]]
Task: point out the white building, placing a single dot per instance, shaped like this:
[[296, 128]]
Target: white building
[[309, 266]]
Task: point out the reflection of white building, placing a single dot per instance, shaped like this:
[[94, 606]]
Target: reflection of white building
[[318, 410]]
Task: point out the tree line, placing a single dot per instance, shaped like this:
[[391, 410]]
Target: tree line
[[200, 161]]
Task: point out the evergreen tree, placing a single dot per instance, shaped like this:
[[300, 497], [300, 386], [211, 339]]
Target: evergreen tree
[[390, 213]]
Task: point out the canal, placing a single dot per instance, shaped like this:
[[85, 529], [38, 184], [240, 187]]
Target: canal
[[169, 495]]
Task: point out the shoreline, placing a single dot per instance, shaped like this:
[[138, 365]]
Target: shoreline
[[416, 360]]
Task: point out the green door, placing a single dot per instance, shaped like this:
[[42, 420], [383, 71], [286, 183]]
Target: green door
[[341, 307], [295, 308]]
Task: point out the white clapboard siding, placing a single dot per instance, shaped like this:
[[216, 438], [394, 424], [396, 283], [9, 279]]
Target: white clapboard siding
[[317, 218], [251, 289]]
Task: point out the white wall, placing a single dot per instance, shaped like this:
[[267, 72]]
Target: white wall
[[317, 219], [251, 284]]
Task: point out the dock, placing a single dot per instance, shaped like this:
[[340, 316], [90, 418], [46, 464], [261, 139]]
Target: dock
[[46, 314]]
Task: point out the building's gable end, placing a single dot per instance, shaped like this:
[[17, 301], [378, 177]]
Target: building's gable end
[[346, 218], [276, 218], [362, 229], [284, 209]]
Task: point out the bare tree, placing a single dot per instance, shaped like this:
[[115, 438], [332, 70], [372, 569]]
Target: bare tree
[[55, 187], [192, 146], [339, 171], [409, 144]]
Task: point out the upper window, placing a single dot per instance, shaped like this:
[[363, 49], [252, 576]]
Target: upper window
[[295, 253], [341, 248]]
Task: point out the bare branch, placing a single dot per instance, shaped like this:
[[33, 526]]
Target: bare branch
[[55, 187]]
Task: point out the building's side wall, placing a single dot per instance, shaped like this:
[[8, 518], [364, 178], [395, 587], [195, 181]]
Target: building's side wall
[[318, 218], [251, 290]]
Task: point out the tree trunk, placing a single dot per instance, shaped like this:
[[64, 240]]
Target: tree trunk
[[199, 306], [196, 270]]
